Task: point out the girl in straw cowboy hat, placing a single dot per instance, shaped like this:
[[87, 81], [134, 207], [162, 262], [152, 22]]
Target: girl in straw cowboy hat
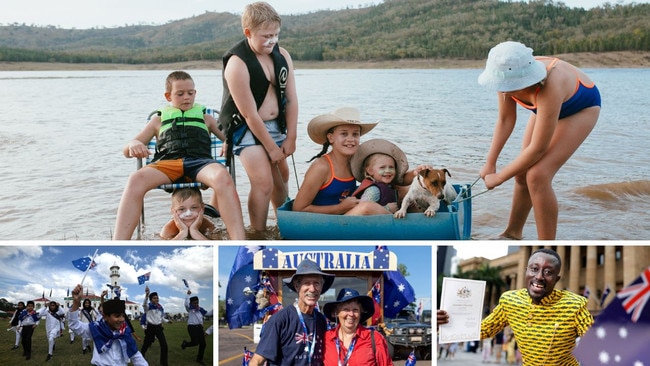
[[565, 105], [329, 183]]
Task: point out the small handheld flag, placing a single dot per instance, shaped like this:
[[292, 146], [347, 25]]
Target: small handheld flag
[[144, 278], [247, 357], [410, 361], [604, 296], [85, 264]]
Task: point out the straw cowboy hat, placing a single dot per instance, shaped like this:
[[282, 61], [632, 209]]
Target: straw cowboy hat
[[349, 294], [375, 146], [319, 126], [511, 66], [307, 267]]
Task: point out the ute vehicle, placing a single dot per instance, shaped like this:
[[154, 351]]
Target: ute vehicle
[[405, 334]]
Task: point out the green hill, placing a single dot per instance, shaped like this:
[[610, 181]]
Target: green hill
[[392, 30]]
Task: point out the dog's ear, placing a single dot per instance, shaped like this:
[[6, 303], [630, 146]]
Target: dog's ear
[[447, 171], [423, 173]]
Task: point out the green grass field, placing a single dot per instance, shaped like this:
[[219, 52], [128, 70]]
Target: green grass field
[[66, 354]]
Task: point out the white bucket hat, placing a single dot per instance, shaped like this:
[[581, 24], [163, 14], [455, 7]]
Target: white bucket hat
[[511, 66], [320, 125], [381, 146]]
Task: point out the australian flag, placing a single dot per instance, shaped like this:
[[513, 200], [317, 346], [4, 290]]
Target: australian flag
[[247, 357], [375, 293], [144, 278], [619, 335], [410, 361], [397, 293], [82, 264], [241, 308]]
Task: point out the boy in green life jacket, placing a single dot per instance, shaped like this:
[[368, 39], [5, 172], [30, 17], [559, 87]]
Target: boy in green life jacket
[[182, 132]]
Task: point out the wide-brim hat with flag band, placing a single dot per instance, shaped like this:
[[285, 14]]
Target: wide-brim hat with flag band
[[319, 126], [381, 146], [308, 267], [349, 294]]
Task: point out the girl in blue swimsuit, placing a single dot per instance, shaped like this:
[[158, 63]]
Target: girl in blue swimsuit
[[565, 105], [329, 182]]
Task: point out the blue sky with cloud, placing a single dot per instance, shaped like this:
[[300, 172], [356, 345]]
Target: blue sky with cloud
[[30, 269]]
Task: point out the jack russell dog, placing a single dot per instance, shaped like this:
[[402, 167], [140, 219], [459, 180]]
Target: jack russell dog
[[426, 191]]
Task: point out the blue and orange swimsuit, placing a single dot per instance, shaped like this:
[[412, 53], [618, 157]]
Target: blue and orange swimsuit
[[336, 189], [584, 96]]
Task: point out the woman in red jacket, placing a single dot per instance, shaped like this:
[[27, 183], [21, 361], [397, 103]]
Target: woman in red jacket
[[351, 343]]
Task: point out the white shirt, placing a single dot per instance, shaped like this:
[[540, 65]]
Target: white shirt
[[194, 317], [111, 357], [51, 322]]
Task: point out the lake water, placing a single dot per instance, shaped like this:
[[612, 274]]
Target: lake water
[[62, 134]]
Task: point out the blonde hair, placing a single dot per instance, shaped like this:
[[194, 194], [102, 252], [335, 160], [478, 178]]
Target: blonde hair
[[258, 14], [371, 159]]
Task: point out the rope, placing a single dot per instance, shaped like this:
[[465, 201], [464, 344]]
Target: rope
[[295, 172], [465, 189]]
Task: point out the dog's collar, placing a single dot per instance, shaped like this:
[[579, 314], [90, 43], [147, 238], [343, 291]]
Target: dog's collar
[[420, 181]]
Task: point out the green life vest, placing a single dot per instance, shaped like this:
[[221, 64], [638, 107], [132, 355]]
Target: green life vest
[[183, 134]]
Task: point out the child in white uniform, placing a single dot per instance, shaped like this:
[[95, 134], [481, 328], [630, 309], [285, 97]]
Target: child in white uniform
[[112, 338], [53, 316]]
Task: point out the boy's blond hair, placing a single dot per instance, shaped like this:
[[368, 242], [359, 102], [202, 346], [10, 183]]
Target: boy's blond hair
[[258, 14], [182, 194], [175, 76]]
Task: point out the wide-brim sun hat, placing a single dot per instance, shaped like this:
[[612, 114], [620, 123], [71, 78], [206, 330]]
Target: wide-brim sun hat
[[511, 66], [374, 146], [308, 267], [348, 294], [318, 127]]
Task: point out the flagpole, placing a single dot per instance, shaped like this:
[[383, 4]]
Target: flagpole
[[89, 266]]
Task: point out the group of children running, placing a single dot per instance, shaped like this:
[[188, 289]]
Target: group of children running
[[108, 330]]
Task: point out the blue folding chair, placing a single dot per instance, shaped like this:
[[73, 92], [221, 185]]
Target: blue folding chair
[[215, 150]]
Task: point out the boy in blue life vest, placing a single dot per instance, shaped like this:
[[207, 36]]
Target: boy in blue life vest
[[182, 132], [259, 109], [113, 343]]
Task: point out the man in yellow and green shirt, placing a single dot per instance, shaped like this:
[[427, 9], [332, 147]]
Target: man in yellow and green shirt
[[545, 321]]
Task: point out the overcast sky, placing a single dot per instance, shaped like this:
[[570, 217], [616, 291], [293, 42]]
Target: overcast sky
[[83, 14], [30, 270]]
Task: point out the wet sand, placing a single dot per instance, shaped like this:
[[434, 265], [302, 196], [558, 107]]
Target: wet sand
[[623, 59]]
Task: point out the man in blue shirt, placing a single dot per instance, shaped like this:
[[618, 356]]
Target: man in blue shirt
[[295, 335]]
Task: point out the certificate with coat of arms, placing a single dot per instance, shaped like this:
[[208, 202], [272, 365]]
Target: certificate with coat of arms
[[463, 300]]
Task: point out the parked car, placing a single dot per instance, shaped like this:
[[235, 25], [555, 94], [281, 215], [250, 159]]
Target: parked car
[[405, 334]]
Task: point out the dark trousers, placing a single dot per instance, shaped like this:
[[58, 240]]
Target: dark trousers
[[152, 332], [197, 337], [26, 338]]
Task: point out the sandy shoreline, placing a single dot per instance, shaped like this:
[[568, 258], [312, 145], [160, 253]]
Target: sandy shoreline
[[623, 59]]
